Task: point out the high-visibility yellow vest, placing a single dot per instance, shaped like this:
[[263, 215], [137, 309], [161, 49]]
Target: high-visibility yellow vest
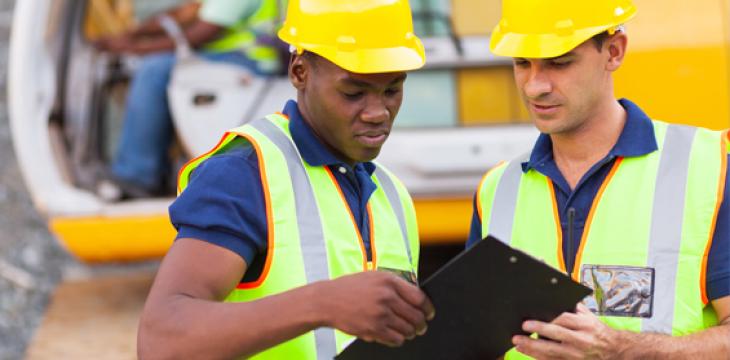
[[657, 210], [312, 234], [266, 20]]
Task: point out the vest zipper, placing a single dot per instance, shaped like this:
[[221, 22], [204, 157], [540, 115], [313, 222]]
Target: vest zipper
[[569, 253]]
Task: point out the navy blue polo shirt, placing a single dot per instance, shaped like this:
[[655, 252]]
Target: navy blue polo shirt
[[224, 202], [636, 139]]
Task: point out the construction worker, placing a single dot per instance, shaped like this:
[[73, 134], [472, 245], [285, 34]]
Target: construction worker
[[278, 224], [630, 206], [230, 31]]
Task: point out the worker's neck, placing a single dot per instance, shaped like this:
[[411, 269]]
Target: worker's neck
[[576, 151]]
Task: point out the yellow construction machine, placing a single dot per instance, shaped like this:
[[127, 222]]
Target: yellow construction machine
[[461, 115]]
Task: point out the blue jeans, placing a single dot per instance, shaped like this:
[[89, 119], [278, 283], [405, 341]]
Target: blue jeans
[[147, 132]]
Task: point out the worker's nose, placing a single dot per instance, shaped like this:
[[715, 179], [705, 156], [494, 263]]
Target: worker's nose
[[376, 110], [538, 82]]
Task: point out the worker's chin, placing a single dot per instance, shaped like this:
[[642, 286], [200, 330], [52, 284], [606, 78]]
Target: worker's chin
[[548, 125], [366, 154]]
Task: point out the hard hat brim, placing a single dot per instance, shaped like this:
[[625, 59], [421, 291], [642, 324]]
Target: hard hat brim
[[539, 46], [372, 61], [547, 45]]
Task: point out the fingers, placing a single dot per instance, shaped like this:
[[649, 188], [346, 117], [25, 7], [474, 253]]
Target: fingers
[[390, 337], [548, 330], [567, 328], [582, 309], [415, 297], [544, 349], [409, 310], [403, 327], [411, 315], [569, 320]]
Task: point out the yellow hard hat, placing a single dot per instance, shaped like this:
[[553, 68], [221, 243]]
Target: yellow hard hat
[[550, 28], [361, 36]]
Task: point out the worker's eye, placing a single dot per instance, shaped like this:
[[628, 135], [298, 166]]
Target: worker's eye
[[518, 62], [352, 96], [560, 63], [392, 92]]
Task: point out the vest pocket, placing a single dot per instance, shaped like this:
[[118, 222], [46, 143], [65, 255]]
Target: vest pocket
[[626, 291]]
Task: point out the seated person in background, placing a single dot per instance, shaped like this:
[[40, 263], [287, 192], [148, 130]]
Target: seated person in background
[[233, 31]]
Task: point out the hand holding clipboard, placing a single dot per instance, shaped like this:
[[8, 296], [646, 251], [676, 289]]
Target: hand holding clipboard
[[481, 297]]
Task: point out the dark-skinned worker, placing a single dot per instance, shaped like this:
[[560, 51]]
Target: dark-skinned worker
[[238, 32], [634, 207], [282, 223]]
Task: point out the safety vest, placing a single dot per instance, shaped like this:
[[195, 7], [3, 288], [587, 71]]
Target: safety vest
[[243, 36], [312, 234], [655, 211]]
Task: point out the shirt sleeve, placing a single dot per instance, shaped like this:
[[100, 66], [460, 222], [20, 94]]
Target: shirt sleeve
[[227, 13], [224, 205], [718, 262], [475, 232]]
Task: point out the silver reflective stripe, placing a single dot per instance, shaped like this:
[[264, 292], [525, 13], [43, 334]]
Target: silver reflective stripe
[[505, 202], [311, 236], [391, 193], [666, 225]]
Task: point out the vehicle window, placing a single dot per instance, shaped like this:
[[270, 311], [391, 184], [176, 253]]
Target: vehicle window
[[429, 100], [431, 17]]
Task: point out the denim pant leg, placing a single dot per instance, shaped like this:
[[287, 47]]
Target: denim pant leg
[[141, 157], [147, 130]]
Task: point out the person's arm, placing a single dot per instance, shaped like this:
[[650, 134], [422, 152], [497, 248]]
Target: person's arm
[[183, 14], [150, 37], [198, 33], [583, 336], [185, 318]]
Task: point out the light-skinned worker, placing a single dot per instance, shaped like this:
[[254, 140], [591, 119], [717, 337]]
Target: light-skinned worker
[[633, 207], [279, 225]]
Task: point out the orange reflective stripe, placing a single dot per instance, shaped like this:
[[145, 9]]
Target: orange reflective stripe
[[269, 218], [282, 115], [587, 227], [559, 228], [720, 197], [352, 218], [201, 158]]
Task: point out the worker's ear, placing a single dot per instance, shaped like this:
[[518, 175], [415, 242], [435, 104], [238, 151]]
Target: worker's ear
[[616, 48], [298, 71]]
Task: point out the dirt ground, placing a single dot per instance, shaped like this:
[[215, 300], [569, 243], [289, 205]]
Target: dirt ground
[[92, 319], [32, 264]]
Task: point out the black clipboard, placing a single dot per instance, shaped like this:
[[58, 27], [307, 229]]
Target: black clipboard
[[481, 297]]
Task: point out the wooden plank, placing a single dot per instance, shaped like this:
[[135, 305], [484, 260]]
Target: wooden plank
[[93, 319]]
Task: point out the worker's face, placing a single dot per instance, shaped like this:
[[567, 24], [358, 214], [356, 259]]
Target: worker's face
[[565, 93], [351, 113]]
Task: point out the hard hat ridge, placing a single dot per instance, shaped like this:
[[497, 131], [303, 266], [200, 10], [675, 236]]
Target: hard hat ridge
[[362, 36], [550, 28]]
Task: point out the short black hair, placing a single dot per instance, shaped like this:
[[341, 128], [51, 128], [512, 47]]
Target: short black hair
[[599, 39]]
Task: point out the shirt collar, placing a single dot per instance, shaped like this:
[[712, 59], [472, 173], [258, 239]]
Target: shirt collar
[[636, 139], [313, 151]]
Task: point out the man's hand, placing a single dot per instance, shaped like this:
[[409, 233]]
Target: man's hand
[[375, 306], [570, 336], [117, 44]]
